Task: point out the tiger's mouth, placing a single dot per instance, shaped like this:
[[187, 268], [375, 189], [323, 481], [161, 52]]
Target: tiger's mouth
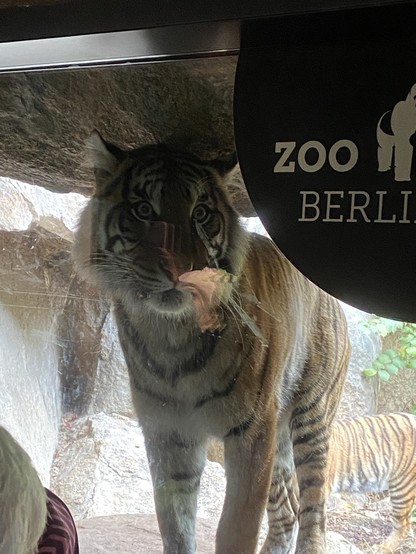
[[172, 298], [199, 292], [171, 302]]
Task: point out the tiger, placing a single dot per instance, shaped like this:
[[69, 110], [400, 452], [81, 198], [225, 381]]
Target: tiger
[[23, 507], [377, 453], [222, 338]]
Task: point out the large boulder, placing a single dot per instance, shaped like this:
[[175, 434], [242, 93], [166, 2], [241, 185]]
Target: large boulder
[[101, 469], [34, 270], [46, 117], [35, 277], [111, 390]]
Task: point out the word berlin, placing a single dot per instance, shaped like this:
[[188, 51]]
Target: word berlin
[[352, 206]]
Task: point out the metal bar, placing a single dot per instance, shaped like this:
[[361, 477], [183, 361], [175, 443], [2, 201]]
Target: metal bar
[[141, 46], [84, 33], [59, 18]]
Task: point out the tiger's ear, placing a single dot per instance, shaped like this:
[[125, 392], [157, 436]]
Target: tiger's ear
[[102, 156], [224, 166], [233, 184]]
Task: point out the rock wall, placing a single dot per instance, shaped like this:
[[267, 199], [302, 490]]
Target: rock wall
[[60, 346], [101, 469], [46, 117], [360, 396], [35, 269], [30, 407]]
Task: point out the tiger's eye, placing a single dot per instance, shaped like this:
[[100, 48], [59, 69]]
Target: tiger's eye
[[143, 210], [201, 213]]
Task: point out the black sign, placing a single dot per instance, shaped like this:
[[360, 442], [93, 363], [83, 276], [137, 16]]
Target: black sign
[[325, 121]]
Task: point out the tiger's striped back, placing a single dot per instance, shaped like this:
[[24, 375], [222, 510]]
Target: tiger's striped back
[[376, 454]]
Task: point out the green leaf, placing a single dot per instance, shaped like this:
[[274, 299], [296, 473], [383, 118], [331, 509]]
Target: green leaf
[[384, 375], [383, 358], [391, 325], [390, 353], [378, 365], [391, 368], [369, 372], [398, 362], [412, 363], [411, 350]]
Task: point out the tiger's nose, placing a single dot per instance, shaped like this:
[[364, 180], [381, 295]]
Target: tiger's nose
[[161, 234], [166, 238]]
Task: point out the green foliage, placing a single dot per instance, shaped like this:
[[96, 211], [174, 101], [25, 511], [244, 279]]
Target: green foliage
[[382, 326], [391, 360]]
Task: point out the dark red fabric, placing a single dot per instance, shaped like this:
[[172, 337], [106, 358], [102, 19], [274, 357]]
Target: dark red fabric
[[60, 536]]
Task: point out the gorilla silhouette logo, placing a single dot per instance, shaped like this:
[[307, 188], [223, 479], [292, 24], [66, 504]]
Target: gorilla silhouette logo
[[394, 132]]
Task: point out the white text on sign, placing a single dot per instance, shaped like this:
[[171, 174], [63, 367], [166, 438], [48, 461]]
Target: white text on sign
[[290, 156], [330, 206]]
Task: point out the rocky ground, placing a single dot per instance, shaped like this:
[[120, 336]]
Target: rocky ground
[[349, 532], [365, 522], [138, 534], [101, 471], [125, 534]]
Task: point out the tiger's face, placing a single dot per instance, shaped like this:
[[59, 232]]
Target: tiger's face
[[157, 217]]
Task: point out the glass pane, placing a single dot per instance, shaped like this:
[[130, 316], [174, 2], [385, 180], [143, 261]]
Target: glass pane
[[164, 276]]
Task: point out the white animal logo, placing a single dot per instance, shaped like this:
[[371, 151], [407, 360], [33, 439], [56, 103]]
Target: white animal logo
[[394, 132]]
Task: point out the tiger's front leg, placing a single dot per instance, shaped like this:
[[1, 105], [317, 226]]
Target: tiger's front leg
[[310, 436], [248, 455], [283, 504], [176, 466]]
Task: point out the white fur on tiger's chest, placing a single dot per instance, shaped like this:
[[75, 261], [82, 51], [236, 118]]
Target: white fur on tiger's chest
[[195, 408], [208, 402]]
